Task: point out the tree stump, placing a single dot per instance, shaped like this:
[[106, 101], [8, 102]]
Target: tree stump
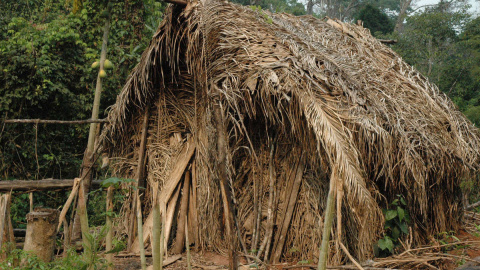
[[41, 233]]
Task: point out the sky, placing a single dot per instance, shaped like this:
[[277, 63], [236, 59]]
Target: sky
[[474, 10]]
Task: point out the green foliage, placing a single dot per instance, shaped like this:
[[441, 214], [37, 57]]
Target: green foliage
[[45, 57], [72, 261], [91, 256], [375, 20], [396, 226]]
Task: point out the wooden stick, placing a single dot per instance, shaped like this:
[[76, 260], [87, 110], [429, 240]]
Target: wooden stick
[[350, 267], [187, 245], [350, 256], [327, 226], [387, 41], [170, 212], [139, 176], [44, 184], [42, 121], [473, 205], [282, 236], [30, 196], [140, 234], [72, 195], [182, 216], [271, 198], [177, 2], [156, 243], [163, 246], [255, 211], [194, 203]]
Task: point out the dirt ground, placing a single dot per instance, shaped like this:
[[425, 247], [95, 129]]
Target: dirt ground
[[212, 261]]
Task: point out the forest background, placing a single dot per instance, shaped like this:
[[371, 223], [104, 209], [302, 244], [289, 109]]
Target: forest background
[[47, 48]]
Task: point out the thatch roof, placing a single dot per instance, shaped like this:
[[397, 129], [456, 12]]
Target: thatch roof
[[328, 91]]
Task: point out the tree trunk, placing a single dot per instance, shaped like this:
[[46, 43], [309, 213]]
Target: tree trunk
[[41, 233], [401, 16], [310, 7]]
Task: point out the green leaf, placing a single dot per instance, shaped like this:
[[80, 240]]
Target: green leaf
[[401, 213], [395, 202], [404, 228], [395, 233], [391, 214], [386, 243]]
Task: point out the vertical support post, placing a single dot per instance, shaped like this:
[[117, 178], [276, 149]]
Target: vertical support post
[[224, 186], [327, 226]]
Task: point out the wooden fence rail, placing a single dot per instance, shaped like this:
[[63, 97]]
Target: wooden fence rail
[[41, 121], [44, 184]]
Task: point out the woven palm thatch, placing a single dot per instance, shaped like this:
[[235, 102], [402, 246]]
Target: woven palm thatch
[[298, 95]]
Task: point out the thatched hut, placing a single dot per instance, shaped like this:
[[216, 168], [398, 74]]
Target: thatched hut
[[299, 102]]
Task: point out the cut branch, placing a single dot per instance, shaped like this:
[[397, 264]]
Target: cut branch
[[176, 2], [387, 41], [42, 121], [473, 205]]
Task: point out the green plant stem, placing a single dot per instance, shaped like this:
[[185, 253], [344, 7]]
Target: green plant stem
[[109, 237], [327, 226]]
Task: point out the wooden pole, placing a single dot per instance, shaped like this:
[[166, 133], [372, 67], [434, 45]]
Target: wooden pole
[[42, 121], [327, 226], [224, 186], [271, 192], [156, 254], [45, 184], [187, 245], [140, 234], [290, 206], [183, 213], [139, 176]]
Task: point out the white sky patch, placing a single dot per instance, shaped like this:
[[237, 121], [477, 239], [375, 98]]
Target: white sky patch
[[474, 10]]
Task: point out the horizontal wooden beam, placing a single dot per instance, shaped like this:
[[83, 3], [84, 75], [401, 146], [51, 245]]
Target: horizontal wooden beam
[[40, 121], [44, 184], [387, 41], [177, 2]]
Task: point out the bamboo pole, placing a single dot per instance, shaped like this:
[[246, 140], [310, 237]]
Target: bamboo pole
[[88, 157], [327, 226], [109, 224]]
